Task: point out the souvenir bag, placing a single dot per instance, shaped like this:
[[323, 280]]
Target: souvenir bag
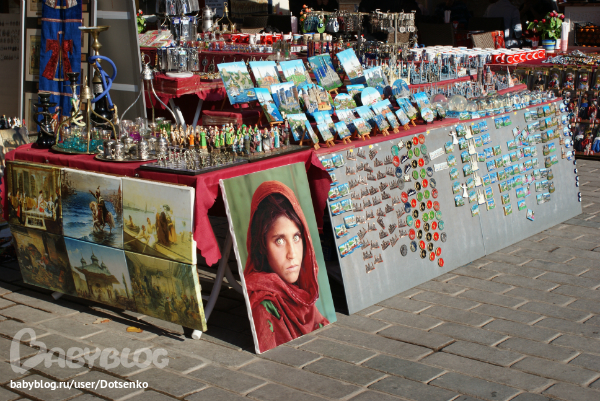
[[333, 25]]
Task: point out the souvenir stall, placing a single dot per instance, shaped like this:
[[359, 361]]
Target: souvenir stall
[[394, 164]]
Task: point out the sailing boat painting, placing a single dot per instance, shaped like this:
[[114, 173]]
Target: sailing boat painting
[[158, 220], [92, 207]]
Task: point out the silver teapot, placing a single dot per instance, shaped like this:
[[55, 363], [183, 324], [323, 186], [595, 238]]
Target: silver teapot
[[207, 18], [152, 142], [162, 146], [142, 149], [118, 152]]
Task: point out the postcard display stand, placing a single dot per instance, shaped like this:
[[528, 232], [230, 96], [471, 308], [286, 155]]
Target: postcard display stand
[[379, 260]]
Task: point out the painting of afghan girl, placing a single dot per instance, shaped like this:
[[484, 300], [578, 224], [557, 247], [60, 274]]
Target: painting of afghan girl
[[278, 249]]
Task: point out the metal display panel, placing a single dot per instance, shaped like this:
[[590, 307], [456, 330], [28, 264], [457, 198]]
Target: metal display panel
[[376, 268], [120, 44], [500, 231]]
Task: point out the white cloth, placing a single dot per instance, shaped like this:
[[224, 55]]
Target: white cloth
[[510, 13]]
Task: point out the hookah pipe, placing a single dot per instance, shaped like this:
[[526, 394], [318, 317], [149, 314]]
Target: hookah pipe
[[106, 84]]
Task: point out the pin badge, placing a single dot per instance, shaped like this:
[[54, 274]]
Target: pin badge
[[434, 193], [429, 204], [432, 256], [436, 236], [413, 203], [403, 250], [438, 251], [423, 254], [411, 234], [413, 244], [421, 139], [420, 234], [443, 237], [396, 161], [421, 162], [417, 222], [430, 247], [432, 183], [428, 236], [441, 262], [434, 225]]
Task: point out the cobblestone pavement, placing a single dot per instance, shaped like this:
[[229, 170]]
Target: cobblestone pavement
[[521, 324]]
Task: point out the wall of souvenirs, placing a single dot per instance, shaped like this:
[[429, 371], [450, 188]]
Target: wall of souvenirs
[[404, 211]]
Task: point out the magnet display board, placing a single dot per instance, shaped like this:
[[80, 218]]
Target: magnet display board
[[371, 273], [500, 231]]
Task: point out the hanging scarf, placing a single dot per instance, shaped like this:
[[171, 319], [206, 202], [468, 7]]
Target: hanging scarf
[[282, 311]]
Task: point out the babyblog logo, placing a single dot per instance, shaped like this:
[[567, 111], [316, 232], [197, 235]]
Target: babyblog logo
[[75, 357]]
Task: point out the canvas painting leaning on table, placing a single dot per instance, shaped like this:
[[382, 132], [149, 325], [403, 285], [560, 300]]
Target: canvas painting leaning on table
[[277, 246]]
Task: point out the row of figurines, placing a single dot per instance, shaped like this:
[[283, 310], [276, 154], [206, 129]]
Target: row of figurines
[[240, 140], [195, 159]]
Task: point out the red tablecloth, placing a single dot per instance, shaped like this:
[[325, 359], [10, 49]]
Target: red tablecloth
[[167, 88], [206, 185]]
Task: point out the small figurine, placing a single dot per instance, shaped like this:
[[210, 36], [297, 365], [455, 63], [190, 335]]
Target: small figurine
[[583, 82], [593, 110], [569, 83]]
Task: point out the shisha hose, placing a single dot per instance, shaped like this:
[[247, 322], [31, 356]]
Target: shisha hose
[[106, 81]]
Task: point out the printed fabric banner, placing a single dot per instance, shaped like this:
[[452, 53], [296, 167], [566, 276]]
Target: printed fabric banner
[[60, 49]]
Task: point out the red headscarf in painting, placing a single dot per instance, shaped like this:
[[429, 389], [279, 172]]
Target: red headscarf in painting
[[295, 312]]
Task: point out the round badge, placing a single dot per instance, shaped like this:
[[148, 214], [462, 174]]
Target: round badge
[[417, 152], [436, 236], [413, 203], [423, 173], [421, 139], [414, 163], [396, 161], [432, 256], [431, 215], [429, 172], [415, 174], [409, 145], [411, 234], [430, 247], [422, 244], [400, 184], [436, 206], [409, 220], [426, 227], [409, 154], [415, 214], [443, 237], [438, 251], [423, 149], [415, 141], [419, 194], [438, 215], [407, 207], [441, 262], [433, 225], [426, 194], [418, 188], [426, 159], [420, 234], [395, 150], [425, 217], [425, 183], [413, 246], [421, 162], [417, 221], [398, 173], [404, 197], [423, 254], [422, 206], [429, 204], [434, 193], [403, 250], [428, 236], [441, 225], [432, 183]]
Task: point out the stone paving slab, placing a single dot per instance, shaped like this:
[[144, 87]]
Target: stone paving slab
[[521, 324]]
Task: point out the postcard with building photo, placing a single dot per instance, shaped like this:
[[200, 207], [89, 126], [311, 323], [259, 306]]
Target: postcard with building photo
[[351, 66], [33, 196], [237, 82], [285, 96], [295, 72], [376, 79], [166, 290], [344, 101], [158, 219], [43, 259], [324, 71], [314, 98], [265, 73], [100, 274], [92, 206], [268, 105]]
